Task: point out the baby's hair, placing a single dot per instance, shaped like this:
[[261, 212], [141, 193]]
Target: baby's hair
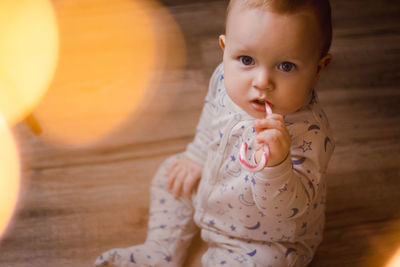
[[321, 9]]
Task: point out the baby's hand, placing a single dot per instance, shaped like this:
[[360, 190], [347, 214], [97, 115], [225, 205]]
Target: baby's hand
[[273, 133], [183, 174]]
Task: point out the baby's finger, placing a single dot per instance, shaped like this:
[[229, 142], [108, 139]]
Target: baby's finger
[[170, 179], [265, 124], [172, 176], [275, 140], [178, 182], [278, 117], [274, 121], [270, 136], [188, 185], [172, 166]]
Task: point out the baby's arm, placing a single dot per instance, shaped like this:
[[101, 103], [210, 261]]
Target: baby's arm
[[183, 174], [290, 187]]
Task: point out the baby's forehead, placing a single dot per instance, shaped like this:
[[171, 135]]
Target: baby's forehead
[[254, 32], [240, 6], [305, 15], [301, 16], [319, 11]]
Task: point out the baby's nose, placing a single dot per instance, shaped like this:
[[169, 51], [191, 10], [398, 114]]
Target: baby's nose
[[263, 80]]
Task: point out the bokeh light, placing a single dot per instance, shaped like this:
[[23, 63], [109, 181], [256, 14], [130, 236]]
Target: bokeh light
[[28, 54], [384, 244], [109, 52], [9, 175], [395, 261]]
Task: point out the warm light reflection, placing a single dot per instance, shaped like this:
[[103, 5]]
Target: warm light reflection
[[9, 175], [395, 261], [384, 244], [109, 52], [28, 53]]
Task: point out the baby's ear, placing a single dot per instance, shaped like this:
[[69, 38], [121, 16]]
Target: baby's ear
[[323, 63], [222, 41]]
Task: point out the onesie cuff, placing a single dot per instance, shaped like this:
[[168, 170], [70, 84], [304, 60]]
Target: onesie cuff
[[275, 172]]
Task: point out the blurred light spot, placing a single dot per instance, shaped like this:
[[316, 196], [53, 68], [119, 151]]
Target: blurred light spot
[[9, 175], [395, 261], [109, 54], [28, 53], [384, 241]]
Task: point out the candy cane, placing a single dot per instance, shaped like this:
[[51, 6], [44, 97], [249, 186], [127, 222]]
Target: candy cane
[[243, 150]]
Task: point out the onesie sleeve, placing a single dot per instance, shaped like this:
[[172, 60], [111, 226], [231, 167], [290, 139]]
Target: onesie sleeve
[[287, 190], [197, 150]]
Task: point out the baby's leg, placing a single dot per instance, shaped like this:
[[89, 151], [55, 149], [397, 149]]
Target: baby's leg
[[170, 230], [239, 253]]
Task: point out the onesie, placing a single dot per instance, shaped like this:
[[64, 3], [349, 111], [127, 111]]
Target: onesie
[[274, 217]]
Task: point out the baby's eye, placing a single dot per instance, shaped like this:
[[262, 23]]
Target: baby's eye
[[287, 66], [246, 60]]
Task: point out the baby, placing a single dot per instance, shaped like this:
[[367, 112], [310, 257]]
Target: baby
[[274, 52]]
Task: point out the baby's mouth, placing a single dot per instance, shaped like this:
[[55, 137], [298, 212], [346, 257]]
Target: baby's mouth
[[262, 105], [258, 105], [259, 102]]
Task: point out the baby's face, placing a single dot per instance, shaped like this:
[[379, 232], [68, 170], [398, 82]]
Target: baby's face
[[271, 57]]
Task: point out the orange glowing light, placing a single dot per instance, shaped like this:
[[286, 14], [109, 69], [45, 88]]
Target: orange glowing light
[[28, 54], [395, 261], [9, 175], [109, 52]]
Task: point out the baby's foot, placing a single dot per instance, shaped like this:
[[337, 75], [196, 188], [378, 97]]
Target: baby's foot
[[144, 255], [118, 257]]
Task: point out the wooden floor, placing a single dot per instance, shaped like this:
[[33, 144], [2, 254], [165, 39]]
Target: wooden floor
[[79, 201]]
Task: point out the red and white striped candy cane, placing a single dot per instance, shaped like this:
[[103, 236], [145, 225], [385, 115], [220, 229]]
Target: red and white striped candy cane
[[243, 150]]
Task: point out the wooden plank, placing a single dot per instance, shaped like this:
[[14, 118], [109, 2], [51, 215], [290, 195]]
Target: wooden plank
[[76, 202]]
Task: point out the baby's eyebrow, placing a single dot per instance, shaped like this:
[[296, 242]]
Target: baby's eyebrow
[[291, 58], [240, 46], [240, 49]]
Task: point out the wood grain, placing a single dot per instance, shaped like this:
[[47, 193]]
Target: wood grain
[[76, 202]]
